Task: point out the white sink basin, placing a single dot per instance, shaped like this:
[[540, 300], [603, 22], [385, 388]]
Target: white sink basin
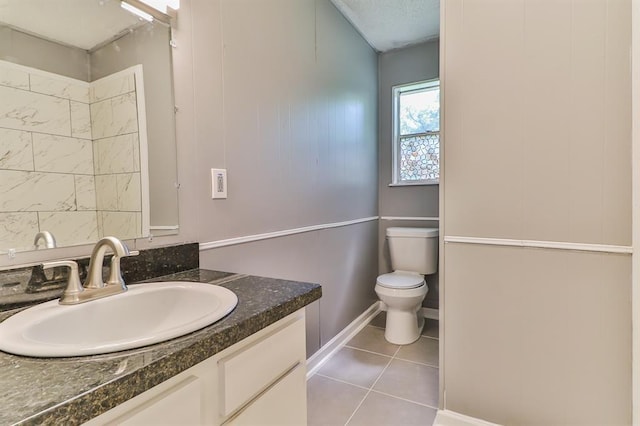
[[145, 314]]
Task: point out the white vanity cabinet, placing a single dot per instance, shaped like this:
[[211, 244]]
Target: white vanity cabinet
[[260, 380]]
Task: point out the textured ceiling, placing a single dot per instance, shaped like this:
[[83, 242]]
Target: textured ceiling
[[392, 24], [80, 23], [385, 24]]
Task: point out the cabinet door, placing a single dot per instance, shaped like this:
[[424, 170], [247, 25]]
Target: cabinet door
[[247, 372], [178, 404], [283, 404]]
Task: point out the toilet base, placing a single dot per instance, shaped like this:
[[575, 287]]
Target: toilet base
[[403, 327]]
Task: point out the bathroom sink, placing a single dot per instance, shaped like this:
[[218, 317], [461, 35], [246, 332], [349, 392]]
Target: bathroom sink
[[143, 315]]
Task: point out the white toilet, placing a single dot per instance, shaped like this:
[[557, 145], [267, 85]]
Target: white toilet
[[414, 253]]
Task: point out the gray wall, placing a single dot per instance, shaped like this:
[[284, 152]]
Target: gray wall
[[341, 259], [408, 65], [149, 46], [30, 51], [288, 107], [537, 147]]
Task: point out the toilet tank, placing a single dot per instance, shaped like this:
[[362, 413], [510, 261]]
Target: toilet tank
[[413, 249]]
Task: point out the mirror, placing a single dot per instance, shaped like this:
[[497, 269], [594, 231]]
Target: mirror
[[87, 126]]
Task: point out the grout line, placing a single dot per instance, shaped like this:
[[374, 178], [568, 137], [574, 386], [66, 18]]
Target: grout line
[[395, 354], [395, 357], [418, 362], [404, 399], [357, 407], [368, 351], [341, 381], [371, 388], [430, 337]]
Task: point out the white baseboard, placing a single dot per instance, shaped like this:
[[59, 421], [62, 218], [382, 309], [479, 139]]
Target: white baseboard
[[431, 313], [316, 360], [451, 418]]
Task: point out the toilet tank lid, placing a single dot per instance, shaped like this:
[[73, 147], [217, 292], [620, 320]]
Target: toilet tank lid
[[412, 232]]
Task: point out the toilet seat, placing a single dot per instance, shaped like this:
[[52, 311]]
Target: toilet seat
[[400, 280]]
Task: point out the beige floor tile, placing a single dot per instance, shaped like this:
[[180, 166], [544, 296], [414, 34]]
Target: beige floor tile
[[431, 328], [408, 380], [330, 402], [372, 339], [380, 409], [424, 350], [355, 366]]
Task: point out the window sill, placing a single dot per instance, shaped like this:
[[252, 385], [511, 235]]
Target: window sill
[[433, 182]]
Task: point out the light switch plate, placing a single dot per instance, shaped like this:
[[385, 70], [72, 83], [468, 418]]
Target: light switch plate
[[218, 183]]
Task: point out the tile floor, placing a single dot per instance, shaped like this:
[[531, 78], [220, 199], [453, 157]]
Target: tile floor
[[372, 382]]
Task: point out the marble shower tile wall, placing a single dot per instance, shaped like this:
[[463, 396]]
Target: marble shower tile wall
[[80, 120], [110, 87], [114, 124], [120, 223], [61, 154], [75, 227], [60, 139], [16, 150], [30, 191], [46, 158], [18, 227], [54, 86], [114, 116], [12, 77], [33, 112]]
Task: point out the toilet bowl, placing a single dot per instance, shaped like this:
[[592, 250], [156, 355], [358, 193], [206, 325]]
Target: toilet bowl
[[414, 253], [402, 293]]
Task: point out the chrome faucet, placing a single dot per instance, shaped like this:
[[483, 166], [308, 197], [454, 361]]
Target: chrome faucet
[[49, 242], [47, 237], [120, 250], [95, 287]]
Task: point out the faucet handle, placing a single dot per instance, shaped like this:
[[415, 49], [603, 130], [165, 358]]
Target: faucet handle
[[133, 253], [74, 287]]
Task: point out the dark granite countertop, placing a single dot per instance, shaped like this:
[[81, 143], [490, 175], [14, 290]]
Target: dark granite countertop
[[73, 390]]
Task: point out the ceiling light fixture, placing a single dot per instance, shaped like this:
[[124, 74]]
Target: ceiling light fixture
[[163, 5], [144, 15], [161, 11]]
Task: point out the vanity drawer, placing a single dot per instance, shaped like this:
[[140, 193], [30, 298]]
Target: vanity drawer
[[283, 404], [254, 368], [180, 404]]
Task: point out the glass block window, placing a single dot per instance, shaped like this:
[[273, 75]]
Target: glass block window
[[416, 133]]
